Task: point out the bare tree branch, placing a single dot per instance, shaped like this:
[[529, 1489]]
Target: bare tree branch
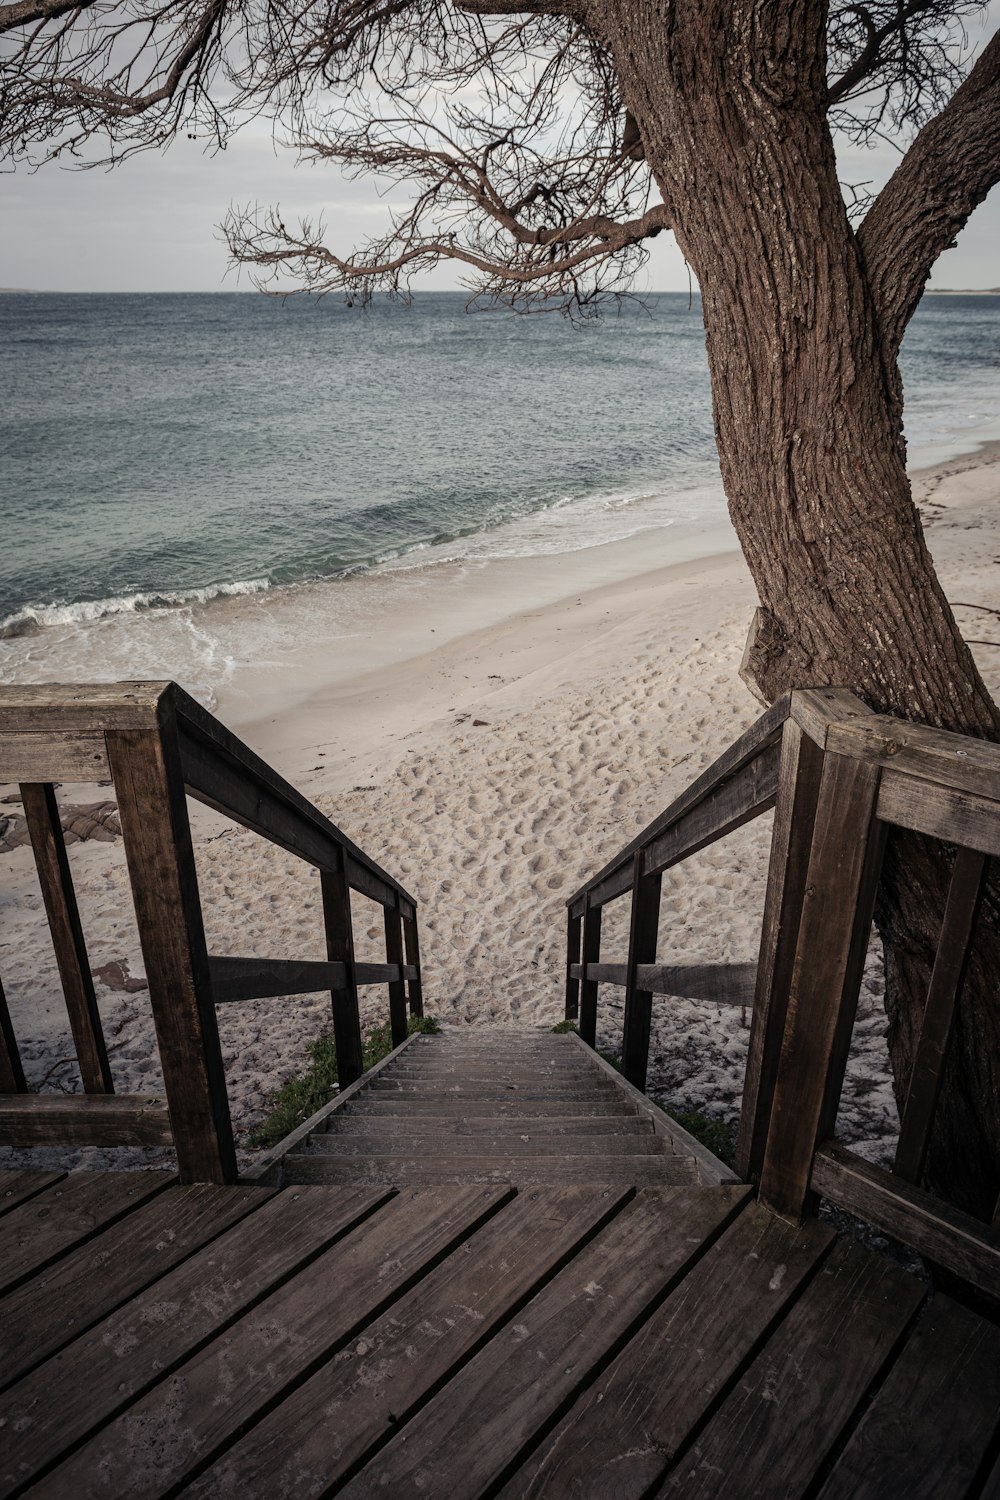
[[574, 8], [264, 241], [26, 12], [876, 40], [947, 171], [893, 63]]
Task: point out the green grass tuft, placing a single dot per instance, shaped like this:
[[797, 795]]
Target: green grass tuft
[[561, 1027], [713, 1134], [301, 1097]]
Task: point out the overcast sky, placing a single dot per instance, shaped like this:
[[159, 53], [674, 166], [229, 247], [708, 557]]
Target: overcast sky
[[151, 224]]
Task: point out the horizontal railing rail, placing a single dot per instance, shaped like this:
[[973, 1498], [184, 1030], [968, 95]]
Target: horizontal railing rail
[[159, 746], [840, 779]]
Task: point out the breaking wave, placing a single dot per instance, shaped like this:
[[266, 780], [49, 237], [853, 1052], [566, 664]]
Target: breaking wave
[[35, 617]]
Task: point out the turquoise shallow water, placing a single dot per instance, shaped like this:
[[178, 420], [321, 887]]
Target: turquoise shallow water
[[163, 449]]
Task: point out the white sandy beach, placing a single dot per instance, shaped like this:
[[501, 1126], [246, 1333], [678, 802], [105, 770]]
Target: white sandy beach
[[491, 734]]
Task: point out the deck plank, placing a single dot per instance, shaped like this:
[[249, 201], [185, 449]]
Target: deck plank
[[60, 1303], [481, 1421], [118, 1359], [184, 1420], [18, 1187], [928, 1430], [774, 1430], [620, 1436], [40, 1230], [355, 1402]]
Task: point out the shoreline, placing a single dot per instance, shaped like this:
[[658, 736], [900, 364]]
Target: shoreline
[[528, 612], [491, 761]]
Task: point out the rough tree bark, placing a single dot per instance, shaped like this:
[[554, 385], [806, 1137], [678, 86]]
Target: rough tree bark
[[730, 99]]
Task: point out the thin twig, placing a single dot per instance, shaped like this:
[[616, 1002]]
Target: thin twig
[[986, 608]]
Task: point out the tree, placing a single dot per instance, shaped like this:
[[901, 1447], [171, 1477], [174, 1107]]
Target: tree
[[544, 141]]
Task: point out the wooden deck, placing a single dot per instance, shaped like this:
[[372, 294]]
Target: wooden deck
[[456, 1337]]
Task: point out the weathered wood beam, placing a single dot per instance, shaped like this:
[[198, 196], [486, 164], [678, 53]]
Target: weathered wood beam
[[88, 707], [11, 1071], [339, 927], [834, 930], [574, 937], [224, 773], [722, 984], [148, 777], [940, 812], [84, 1120], [643, 929], [587, 1026], [814, 710], [748, 794], [916, 750], [41, 812], [394, 959], [965, 893], [943, 1234], [52, 755], [791, 838], [235, 979], [411, 946], [765, 731]]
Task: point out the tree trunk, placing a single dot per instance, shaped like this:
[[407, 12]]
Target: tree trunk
[[730, 100]]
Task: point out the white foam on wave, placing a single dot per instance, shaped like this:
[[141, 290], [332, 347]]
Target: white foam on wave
[[34, 617]]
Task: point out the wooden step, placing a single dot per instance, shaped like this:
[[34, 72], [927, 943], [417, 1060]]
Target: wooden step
[[536, 1143], [346, 1122], [547, 1078], [388, 1090], [509, 1104], [397, 1170]]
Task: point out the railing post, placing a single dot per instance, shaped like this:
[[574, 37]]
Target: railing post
[[41, 812], [641, 950], [411, 944], [397, 987], [12, 1079], [588, 987], [336, 895], [146, 769], [965, 893], [574, 932], [837, 909], [791, 840]]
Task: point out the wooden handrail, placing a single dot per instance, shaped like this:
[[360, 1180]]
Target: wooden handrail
[[222, 772], [616, 875], [235, 979], [943, 1234], [159, 746], [840, 777], [721, 984]]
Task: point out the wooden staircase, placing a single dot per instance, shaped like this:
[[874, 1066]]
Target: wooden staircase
[[491, 1105]]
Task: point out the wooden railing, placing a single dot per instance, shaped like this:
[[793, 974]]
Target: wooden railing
[[157, 745], [839, 777]]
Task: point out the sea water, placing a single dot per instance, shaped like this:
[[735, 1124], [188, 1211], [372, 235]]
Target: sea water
[[159, 453]]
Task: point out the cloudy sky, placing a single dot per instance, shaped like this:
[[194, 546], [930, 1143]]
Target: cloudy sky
[[151, 224]]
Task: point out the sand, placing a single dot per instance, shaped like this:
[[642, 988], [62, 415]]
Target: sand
[[492, 735]]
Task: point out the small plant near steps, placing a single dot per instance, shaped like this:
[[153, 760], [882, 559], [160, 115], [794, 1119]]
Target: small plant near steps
[[302, 1096]]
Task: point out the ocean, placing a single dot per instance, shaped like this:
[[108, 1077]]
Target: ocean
[[162, 452]]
